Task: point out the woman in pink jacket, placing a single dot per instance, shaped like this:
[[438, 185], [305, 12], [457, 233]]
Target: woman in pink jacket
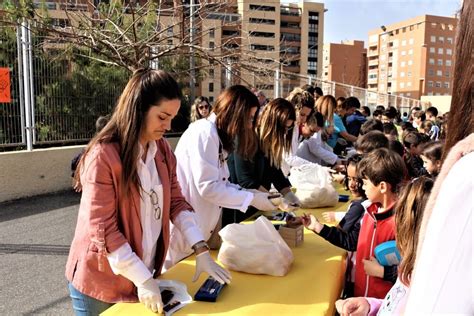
[[130, 194]]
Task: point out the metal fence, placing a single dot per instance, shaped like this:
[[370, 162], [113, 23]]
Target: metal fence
[[55, 98], [288, 81]]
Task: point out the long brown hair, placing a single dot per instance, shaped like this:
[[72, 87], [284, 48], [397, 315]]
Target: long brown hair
[[408, 216], [146, 88], [274, 136], [232, 109], [326, 105], [461, 116]]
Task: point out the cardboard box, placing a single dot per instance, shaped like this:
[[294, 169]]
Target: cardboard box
[[292, 236]]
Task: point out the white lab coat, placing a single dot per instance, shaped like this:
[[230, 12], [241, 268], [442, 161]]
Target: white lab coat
[[203, 177], [290, 159], [312, 149]]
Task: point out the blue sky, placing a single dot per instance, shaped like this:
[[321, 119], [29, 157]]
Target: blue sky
[[353, 19]]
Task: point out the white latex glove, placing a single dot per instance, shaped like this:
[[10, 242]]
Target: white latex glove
[[204, 263], [150, 295], [261, 202], [292, 199]]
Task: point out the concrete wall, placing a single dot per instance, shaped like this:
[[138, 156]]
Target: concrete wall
[[29, 173], [441, 102]]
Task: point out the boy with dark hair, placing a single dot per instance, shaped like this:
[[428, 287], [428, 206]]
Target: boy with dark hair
[[377, 115], [356, 119], [413, 143], [371, 141], [432, 114], [371, 125], [382, 172], [390, 131]]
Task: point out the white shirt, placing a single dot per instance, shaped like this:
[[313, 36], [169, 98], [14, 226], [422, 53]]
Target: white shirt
[[290, 159], [312, 149], [443, 280], [203, 175], [123, 260]]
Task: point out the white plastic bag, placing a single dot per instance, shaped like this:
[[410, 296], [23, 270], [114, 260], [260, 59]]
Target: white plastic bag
[[313, 186], [255, 248]]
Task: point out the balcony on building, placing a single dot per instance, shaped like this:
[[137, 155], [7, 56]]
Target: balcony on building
[[290, 27], [290, 14]]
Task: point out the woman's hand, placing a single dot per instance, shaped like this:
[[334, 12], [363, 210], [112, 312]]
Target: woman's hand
[[354, 306], [149, 294], [373, 268], [312, 223]]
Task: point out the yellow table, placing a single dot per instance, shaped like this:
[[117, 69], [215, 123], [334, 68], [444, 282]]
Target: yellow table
[[313, 284]]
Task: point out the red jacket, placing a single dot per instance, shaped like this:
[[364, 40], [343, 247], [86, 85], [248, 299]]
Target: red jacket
[[376, 228], [108, 218]]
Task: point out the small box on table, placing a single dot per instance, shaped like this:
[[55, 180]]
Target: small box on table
[[292, 236]]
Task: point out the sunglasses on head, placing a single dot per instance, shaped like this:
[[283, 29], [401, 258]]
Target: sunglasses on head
[[202, 107]]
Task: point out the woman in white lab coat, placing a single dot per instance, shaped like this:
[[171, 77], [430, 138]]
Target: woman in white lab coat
[[202, 168]]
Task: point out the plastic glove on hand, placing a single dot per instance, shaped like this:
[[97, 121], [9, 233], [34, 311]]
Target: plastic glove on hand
[[292, 199], [204, 263], [149, 294], [261, 202]]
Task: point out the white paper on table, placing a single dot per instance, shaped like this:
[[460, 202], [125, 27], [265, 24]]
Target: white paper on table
[[180, 294]]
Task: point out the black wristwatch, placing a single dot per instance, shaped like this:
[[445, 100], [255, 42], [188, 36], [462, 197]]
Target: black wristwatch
[[200, 244]]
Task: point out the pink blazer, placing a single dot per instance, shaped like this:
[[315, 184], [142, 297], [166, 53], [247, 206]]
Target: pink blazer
[[108, 219]]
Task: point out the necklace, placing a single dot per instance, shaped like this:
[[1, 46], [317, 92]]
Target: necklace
[[155, 202]]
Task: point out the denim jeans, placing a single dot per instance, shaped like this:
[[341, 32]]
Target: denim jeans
[[84, 305]]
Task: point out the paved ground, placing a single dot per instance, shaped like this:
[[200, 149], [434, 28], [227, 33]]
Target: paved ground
[[35, 235]]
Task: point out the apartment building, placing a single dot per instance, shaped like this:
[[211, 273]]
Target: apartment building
[[275, 35], [412, 58], [271, 34], [345, 63]]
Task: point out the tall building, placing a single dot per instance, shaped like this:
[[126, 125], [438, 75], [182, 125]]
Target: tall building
[[412, 58], [345, 63]]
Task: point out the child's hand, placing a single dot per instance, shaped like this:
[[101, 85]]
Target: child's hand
[[373, 268], [357, 306], [312, 223], [329, 216]]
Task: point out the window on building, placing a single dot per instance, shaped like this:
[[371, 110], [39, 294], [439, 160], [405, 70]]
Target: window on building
[[211, 73], [262, 21], [410, 52], [402, 64], [431, 61], [401, 94], [403, 53], [256, 7], [170, 41], [448, 62], [262, 47], [439, 73], [404, 43], [262, 34], [402, 85], [211, 45], [443, 26], [402, 74], [430, 93], [441, 39], [431, 72], [450, 27], [409, 74], [449, 40], [446, 74], [440, 51], [408, 94], [411, 41], [446, 84], [211, 33], [211, 86], [430, 84], [433, 25], [432, 50], [449, 51], [440, 62], [211, 99], [438, 84], [410, 62], [409, 84], [433, 39]]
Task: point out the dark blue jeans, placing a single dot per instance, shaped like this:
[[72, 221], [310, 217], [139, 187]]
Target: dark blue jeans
[[84, 305]]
